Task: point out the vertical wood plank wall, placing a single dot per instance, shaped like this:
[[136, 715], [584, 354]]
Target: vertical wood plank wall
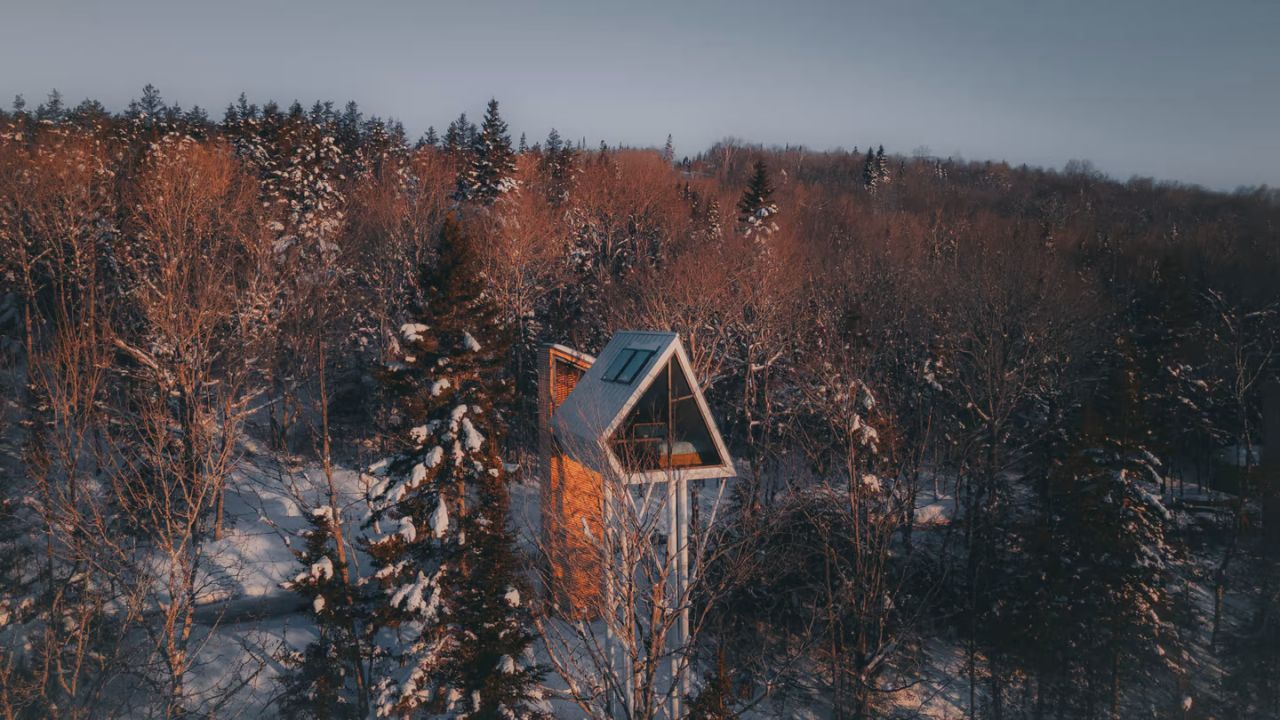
[[572, 498]]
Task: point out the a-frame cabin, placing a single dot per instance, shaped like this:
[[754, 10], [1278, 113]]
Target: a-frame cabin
[[637, 414], [613, 427], [634, 414]]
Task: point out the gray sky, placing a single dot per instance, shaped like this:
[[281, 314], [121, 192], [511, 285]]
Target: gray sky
[[1177, 90]]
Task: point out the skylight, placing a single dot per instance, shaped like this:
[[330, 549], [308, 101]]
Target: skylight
[[627, 366]]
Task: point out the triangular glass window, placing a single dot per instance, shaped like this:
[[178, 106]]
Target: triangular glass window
[[666, 428]]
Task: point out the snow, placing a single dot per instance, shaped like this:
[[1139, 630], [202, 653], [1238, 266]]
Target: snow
[[318, 603], [469, 343], [410, 597], [439, 386], [412, 332], [433, 457], [419, 434], [471, 437], [440, 519], [322, 569], [512, 597], [407, 530], [1154, 503]]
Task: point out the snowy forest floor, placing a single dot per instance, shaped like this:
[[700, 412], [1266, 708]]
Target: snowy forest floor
[[248, 621]]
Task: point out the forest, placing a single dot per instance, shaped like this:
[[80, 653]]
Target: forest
[[269, 427]]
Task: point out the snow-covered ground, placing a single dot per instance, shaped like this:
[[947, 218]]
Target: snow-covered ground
[[247, 621]]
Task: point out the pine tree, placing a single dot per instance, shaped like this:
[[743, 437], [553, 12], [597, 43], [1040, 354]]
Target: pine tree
[[246, 110], [325, 679], [882, 167], [756, 209], [450, 579], [524, 146], [556, 166], [457, 137], [431, 139], [669, 151], [52, 109], [870, 172], [348, 126], [489, 174], [1089, 599], [151, 104]]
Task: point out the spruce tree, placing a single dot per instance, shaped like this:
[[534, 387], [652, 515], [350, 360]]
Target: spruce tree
[[325, 679], [556, 166], [52, 109], [882, 167], [524, 145], [669, 151], [870, 172], [457, 137], [756, 209], [489, 174], [431, 139], [451, 591], [348, 127], [151, 104]]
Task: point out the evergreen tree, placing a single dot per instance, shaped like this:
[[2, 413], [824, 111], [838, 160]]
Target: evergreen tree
[[556, 166], [326, 679], [882, 167], [1089, 605], [451, 585], [348, 126], [669, 151], [197, 116], [524, 146], [148, 108], [489, 173], [19, 104], [52, 109], [870, 172], [89, 112], [431, 139], [457, 137], [756, 209]]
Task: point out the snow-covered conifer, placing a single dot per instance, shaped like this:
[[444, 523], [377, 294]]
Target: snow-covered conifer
[[756, 210], [491, 168], [871, 172], [325, 679], [457, 137], [445, 561], [882, 167]]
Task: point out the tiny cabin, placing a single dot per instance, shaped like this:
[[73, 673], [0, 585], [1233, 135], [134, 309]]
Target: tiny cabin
[[633, 415]]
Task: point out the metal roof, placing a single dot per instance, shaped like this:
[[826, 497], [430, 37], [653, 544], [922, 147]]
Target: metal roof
[[595, 408]]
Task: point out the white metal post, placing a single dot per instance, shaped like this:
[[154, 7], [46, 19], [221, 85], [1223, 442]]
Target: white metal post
[[673, 588], [683, 525]]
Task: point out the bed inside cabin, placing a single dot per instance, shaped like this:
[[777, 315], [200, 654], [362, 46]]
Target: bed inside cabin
[[665, 429]]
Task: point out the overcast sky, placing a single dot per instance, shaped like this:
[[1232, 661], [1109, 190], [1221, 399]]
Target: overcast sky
[[1177, 90]]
